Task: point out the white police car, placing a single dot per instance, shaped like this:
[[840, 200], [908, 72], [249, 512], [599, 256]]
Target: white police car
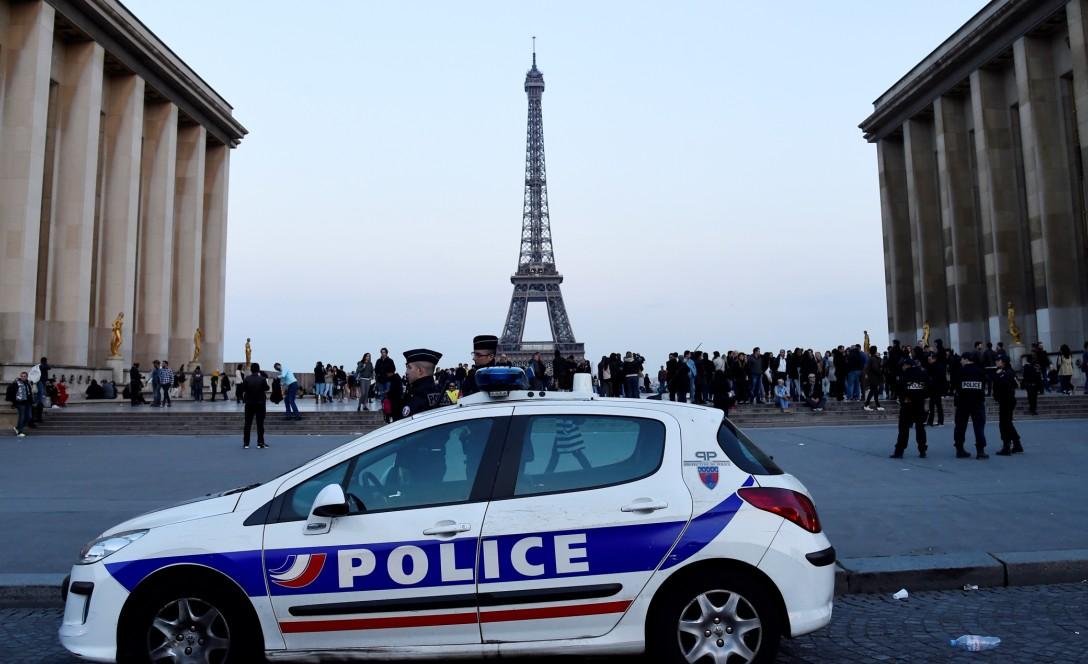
[[513, 523]]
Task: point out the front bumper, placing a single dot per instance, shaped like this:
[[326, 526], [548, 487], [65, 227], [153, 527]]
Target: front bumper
[[801, 564], [92, 606]]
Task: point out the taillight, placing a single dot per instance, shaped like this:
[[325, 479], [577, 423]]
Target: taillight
[[789, 505]]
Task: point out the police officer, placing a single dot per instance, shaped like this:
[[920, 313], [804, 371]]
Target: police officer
[[913, 388], [483, 356], [970, 404], [422, 393], [1005, 395]]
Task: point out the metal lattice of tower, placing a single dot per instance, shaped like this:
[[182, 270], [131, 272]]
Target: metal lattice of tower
[[536, 279]]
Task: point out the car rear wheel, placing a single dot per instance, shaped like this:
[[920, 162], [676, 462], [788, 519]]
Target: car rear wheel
[[716, 619], [190, 623]]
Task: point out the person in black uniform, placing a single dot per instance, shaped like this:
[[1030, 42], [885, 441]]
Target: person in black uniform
[[1005, 395], [253, 388], [423, 393], [970, 404], [483, 356], [913, 388], [1033, 383]]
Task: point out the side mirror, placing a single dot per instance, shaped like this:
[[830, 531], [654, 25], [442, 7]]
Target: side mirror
[[329, 504]]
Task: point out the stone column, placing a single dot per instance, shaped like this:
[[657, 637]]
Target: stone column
[[958, 206], [927, 235], [124, 128], [188, 242], [66, 328], [214, 255], [1050, 204], [895, 218], [1077, 14], [24, 101], [155, 251], [1009, 264]]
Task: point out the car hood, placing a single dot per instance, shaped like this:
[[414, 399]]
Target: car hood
[[190, 510]]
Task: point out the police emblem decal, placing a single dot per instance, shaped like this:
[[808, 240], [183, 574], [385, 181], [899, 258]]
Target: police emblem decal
[[708, 475], [298, 571]]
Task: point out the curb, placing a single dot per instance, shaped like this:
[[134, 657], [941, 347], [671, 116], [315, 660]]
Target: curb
[[37, 589], [953, 571]]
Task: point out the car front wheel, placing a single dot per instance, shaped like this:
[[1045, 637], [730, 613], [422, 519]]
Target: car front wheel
[[716, 619]]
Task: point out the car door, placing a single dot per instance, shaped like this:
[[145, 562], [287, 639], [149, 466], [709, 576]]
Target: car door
[[398, 569], [588, 502]]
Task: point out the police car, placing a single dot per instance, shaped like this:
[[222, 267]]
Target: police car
[[514, 523]]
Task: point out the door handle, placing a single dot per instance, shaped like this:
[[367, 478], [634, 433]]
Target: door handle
[[645, 505], [447, 528]]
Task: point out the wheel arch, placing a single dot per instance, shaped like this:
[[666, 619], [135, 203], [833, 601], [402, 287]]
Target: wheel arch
[[726, 565], [187, 572]]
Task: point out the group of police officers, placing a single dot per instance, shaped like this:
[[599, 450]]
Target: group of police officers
[[423, 392], [914, 385]]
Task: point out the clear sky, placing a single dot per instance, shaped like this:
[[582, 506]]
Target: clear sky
[[707, 179]]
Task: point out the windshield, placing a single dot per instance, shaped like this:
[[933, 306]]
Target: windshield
[[743, 452]]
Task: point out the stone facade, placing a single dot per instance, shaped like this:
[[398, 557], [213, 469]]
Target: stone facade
[[981, 151], [114, 160]]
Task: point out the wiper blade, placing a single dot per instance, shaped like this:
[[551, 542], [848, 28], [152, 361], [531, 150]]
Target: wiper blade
[[240, 489]]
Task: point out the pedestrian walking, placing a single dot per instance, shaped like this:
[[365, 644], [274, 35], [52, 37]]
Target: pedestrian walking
[[289, 384], [1065, 369], [156, 384], [874, 376], [1004, 391], [913, 388], [970, 405], [21, 395], [166, 381], [1033, 383], [215, 384], [253, 390]]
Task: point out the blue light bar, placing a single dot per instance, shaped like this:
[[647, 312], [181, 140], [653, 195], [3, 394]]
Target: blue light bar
[[500, 381]]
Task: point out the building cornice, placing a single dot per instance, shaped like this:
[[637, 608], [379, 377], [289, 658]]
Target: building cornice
[[124, 37], [983, 38]]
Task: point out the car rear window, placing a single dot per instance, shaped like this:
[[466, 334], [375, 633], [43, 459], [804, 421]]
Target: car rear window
[[745, 454]]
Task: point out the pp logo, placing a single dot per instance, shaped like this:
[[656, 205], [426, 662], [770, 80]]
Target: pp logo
[[298, 571], [706, 456]]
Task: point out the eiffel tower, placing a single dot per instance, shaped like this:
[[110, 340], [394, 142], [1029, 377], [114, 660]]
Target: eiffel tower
[[536, 279]]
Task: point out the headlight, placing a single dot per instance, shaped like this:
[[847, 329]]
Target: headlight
[[106, 546]]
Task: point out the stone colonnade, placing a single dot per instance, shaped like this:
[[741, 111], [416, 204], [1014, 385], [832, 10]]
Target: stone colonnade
[[112, 199], [983, 199]]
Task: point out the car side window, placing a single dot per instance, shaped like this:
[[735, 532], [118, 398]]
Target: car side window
[[434, 466], [578, 452]]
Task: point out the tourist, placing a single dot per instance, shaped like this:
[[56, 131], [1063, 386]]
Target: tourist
[[632, 367], [94, 390], [1065, 369], [166, 381], [43, 380], [109, 389], [319, 382], [677, 371], [384, 368], [755, 377], [224, 385], [156, 384], [253, 389], [540, 372], [135, 385], [364, 376], [60, 400], [874, 377], [197, 385], [938, 388], [215, 384], [781, 395], [812, 391], [239, 378], [22, 395], [289, 385]]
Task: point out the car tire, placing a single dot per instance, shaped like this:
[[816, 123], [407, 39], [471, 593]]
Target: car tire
[[716, 618], [195, 615]]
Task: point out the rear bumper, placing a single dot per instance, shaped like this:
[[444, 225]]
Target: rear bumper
[[801, 564]]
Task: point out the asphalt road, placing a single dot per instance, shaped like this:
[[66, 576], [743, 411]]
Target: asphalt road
[[56, 493], [1036, 624]]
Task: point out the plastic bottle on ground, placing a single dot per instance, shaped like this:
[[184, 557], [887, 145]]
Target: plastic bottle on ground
[[975, 643]]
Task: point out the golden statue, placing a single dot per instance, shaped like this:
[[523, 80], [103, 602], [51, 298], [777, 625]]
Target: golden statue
[[1014, 331], [197, 337], [115, 341], [925, 333], [865, 348], [249, 354]]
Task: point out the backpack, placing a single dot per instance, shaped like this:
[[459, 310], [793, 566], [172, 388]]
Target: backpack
[[387, 406], [277, 391], [13, 389]]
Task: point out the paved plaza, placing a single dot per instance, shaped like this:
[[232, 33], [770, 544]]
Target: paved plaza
[[1036, 624], [56, 493]]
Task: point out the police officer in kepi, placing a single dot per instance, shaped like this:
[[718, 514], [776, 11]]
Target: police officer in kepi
[[423, 393], [913, 388], [970, 404], [1005, 395], [484, 347]]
